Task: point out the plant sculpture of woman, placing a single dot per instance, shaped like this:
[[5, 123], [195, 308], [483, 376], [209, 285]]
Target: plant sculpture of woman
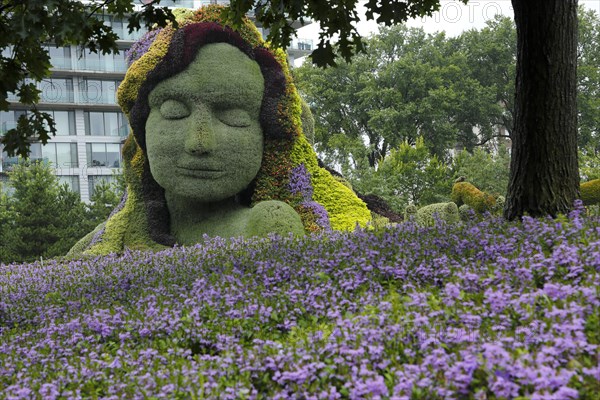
[[216, 144]]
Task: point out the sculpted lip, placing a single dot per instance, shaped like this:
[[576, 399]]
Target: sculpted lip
[[201, 172]]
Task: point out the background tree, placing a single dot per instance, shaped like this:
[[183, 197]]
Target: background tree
[[7, 236], [408, 84], [73, 222], [489, 172], [37, 213], [41, 218], [105, 198], [589, 164], [491, 54], [408, 174], [588, 78], [544, 177]]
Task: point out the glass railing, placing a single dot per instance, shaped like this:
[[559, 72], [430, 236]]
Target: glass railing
[[56, 94], [302, 44], [98, 98], [179, 3], [120, 65], [124, 34], [50, 94], [102, 65], [61, 62]]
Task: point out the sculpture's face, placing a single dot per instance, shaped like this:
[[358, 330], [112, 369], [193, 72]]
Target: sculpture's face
[[203, 136]]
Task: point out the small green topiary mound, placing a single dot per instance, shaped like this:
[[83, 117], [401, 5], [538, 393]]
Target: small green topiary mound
[[590, 192], [467, 193], [500, 202], [378, 221], [410, 212], [465, 212], [445, 211]]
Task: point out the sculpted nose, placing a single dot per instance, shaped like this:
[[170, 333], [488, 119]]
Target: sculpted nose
[[200, 137]]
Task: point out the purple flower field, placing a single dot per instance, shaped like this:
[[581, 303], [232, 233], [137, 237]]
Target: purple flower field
[[481, 310]]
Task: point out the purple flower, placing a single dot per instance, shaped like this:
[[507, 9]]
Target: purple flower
[[322, 217], [140, 47], [300, 182]]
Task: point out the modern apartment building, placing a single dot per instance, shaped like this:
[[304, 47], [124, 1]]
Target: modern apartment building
[[81, 96]]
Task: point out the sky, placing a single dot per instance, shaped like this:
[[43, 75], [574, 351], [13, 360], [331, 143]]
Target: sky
[[453, 17]]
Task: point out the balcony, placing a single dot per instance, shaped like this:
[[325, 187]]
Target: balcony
[[97, 98], [129, 37], [179, 3], [106, 65], [56, 93], [300, 47], [53, 95], [61, 62]]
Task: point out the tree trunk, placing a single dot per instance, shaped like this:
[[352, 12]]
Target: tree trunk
[[544, 175]]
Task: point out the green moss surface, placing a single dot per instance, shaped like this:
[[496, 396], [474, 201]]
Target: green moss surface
[[84, 242], [410, 212], [274, 217], [464, 212], [308, 122], [128, 228], [467, 193], [445, 211], [590, 192], [345, 209]]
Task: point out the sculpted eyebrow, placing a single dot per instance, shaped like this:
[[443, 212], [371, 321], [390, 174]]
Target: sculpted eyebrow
[[160, 94]]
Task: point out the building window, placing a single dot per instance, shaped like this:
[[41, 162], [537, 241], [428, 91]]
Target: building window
[[105, 124], [60, 57], [35, 152], [64, 122], [104, 155], [8, 120], [95, 180], [61, 155], [91, 61], [119, 27], [71, 180], [94, 91], [182, 3], [7, 162]]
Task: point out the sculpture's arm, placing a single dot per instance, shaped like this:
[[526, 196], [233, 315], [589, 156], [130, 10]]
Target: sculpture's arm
[[83, 243]]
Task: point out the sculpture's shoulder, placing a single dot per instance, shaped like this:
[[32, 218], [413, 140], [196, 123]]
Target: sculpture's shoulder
[[273, 216]]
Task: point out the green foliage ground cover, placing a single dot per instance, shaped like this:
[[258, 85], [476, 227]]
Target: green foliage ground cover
[[482, 309]]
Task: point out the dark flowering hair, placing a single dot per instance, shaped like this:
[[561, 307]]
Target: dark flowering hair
[[182, 49]]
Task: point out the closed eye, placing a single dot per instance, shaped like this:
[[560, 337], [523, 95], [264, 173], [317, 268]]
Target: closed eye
[[173, 109], [235, 117]]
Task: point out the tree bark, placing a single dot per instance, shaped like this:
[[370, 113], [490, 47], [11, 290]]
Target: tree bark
[[544, 174]]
